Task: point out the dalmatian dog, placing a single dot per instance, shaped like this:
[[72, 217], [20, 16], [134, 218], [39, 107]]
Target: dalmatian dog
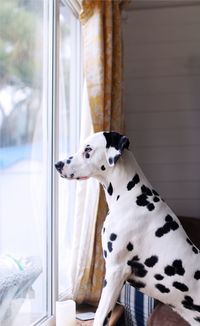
[[143, 240]]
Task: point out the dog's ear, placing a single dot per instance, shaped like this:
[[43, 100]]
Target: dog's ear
[[115, 145]]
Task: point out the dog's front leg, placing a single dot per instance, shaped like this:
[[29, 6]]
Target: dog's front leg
[[113, 284]]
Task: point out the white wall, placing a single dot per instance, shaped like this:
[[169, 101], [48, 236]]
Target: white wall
[[162, 100]]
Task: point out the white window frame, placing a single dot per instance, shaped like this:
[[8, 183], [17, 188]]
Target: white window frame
[[53, 122]]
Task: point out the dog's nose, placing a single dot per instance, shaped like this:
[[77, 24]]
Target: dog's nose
[[59, 165]]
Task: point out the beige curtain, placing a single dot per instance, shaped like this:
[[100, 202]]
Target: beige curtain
[[101, 26], [80, 255]]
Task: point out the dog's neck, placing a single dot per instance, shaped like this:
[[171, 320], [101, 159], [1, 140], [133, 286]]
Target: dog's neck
[[115, 179]]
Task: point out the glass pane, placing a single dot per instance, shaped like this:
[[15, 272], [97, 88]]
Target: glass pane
[[23, 161], [69, 84]]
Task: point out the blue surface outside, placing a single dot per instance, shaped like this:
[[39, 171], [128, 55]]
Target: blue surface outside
[[13, 154]]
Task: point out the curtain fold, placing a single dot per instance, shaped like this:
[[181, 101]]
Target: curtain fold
[[102, 43], [80, 255]]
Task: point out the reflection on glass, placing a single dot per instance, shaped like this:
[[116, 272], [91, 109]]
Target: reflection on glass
[[23, 252], [69, 83]]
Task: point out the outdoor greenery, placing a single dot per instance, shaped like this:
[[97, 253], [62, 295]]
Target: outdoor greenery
[[17, 48], [20, 67]]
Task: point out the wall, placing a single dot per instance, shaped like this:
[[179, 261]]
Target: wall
[[162, 99]]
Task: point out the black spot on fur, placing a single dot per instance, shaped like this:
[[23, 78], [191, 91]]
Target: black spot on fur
[[162, 288], [175, 268], [104, 230], [87, 155], [145, 199], [110, 248], [129, 246], [88, 148], [142, 200], [174, 225], [179, 267], [180, 286], [137, 284], [110, 189], [168, 218], [189, 304], [113, 237], [105, 253], [159, 233], [118, 197], [136, 178], [150, 207], [150, 262], [197, 319], [195, 250], [137, 268], [197, 275], [103, 168], [135, 258], [155, 192], [159, 277], [116, 140], [131, 184], [189, 241], [68, 161], [104, 283], [167, 227], [146, 190], [170, 270]]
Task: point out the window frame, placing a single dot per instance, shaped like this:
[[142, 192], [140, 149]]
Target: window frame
[[53, 136]]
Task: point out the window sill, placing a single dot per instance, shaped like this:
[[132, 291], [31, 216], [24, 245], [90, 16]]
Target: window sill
[[49, 322]]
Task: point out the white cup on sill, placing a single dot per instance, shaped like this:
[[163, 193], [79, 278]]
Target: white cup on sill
[[66, 313]]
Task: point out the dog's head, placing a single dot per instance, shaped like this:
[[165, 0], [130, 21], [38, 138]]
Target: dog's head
[[101, 150]]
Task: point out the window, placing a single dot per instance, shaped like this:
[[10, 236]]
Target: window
[[33, 58], [69, 126]]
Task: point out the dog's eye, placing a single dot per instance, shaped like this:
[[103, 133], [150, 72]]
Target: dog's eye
[[88, 148], [86, 152], [87, 155]]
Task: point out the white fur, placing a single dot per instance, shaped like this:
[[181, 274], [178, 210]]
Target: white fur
[[135, 224]]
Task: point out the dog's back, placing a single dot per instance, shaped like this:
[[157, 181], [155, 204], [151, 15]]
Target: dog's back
[[152, 242]]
